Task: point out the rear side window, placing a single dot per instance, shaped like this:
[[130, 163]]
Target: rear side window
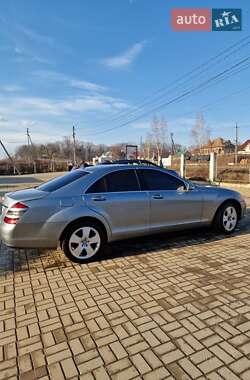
[[97, 187], [156, 180], [122, 180], [59, 182]]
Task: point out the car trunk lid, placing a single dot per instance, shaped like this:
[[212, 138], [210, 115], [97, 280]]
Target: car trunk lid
[[22, 196]]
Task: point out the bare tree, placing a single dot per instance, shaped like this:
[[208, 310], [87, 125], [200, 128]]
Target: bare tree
[[148, 146], [159, 132], [200, 133]]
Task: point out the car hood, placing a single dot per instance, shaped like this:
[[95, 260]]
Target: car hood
[[219, 190]]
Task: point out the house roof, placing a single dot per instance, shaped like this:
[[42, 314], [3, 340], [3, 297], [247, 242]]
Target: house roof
[[245, 144], [218, 142]]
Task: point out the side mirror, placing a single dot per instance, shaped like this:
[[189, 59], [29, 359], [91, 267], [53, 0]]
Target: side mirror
[[189, 186], [182, 188]]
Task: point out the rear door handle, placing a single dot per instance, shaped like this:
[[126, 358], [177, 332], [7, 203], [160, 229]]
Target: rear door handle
[[98, 198], [157, 196]]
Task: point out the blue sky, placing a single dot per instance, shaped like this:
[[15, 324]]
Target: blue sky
[[84, 62]]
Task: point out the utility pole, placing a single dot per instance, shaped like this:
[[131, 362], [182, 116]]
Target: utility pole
[[30, 149], [11, 159], [236, 144], [74, 144], [28, 140], [173, 150]]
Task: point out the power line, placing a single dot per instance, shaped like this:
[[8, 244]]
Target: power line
[[229, 71], [217, 101], [202, 68]]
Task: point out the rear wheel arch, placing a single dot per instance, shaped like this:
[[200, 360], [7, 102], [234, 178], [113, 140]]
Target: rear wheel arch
[[84, 220]]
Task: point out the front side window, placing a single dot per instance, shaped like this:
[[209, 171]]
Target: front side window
[[156, 180], [122, 180]]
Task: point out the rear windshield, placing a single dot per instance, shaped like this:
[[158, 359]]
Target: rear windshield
[[59, 182]]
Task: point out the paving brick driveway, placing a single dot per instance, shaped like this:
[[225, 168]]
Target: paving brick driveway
[[164, 307]]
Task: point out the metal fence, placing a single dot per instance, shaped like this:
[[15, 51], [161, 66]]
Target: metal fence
[[37, 166], [197, 168]]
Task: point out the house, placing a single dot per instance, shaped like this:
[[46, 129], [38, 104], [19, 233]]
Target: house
[[219, 146], [244, 148]]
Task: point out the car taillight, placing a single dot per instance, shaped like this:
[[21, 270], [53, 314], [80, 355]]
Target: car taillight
[[14, 213], [10, 220], [19, 205]]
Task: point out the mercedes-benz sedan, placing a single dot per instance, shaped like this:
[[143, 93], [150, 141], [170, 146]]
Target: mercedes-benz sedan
[[87, 208]]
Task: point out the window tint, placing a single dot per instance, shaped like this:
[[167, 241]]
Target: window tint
[[156, 180], [122, 180], [97, 187], [59, 182]]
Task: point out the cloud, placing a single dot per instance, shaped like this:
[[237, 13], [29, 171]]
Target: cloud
[[21, 55], [34, 35], [38, 59], [141, 125], [71, 82], [181, 123], [3, 119], [41, 133], [18, 50], [28, 105], [11, 88], [126, 58], [86, 85]]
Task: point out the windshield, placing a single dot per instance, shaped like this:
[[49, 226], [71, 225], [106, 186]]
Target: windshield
[[59, 182]]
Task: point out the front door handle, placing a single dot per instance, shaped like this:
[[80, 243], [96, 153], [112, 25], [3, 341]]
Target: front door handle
[[98, 198], [157, 196]]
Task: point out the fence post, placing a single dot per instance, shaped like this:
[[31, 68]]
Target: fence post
[[34, 166], [183, 166], [212, 167]]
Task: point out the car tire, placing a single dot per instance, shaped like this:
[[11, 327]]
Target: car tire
[[84, 242], [226, 218]]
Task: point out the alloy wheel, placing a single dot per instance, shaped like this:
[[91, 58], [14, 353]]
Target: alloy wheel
[[230, 218], [84, 242]]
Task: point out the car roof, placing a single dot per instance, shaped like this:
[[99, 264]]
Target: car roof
[[113, 167], [108, 167]]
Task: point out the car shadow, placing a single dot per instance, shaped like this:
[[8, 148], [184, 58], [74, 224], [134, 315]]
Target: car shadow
[[153, 243], [12, 260]]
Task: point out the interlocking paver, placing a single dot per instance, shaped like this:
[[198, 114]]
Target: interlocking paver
[[163, 307]]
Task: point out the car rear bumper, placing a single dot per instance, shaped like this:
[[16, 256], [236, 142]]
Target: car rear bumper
[[26, 235]]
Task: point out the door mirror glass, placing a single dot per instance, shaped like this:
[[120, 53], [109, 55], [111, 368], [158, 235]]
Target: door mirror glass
[[182, 188], [189, 186]]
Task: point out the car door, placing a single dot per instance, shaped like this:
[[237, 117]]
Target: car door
[[117, 197], [170, 203]]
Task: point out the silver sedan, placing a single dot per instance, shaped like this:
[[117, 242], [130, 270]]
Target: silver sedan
[[87, 208]]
